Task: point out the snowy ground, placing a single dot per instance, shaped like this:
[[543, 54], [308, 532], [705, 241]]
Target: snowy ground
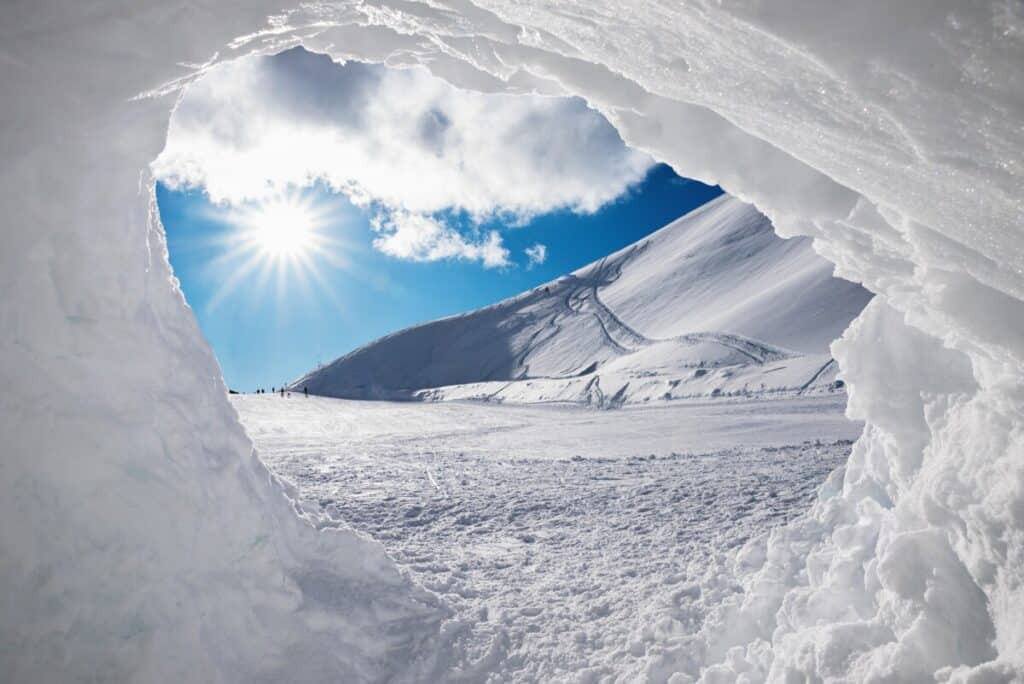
[[570, 541]]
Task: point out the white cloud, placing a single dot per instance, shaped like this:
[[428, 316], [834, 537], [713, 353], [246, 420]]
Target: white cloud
[[537, 255], [402, 142], [423, 238]]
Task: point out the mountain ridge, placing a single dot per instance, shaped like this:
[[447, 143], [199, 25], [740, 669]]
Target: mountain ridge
[[714, 303]]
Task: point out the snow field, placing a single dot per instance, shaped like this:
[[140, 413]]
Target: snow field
[[571, 544]]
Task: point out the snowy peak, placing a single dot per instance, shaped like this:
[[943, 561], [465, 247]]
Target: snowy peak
[[713, 303], [723, 268]]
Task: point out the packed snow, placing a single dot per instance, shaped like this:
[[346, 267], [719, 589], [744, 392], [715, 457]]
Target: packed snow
[[712, 305], [141, 539], [571, 544]]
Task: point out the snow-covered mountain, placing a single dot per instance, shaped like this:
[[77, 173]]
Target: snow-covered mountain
[[715, 303]]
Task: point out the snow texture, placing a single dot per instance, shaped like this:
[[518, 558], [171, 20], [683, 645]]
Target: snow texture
[[567, 541], [714, 304], [142, 539]]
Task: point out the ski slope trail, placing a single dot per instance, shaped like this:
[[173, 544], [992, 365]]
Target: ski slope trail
[[572, 545], [713, 304], [584, 298]]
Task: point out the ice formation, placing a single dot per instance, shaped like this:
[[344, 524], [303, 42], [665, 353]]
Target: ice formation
[[141, 538]]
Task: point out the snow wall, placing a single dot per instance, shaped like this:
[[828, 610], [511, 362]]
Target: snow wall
[[140, 537]]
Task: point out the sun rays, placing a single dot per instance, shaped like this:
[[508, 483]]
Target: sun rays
[[282, 229], [276, 244]]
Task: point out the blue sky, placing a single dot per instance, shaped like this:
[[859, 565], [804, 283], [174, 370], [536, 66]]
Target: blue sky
[[312, 206], [265, 335]]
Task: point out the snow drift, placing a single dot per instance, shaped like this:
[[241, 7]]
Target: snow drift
[[712, 304], [137, 526]]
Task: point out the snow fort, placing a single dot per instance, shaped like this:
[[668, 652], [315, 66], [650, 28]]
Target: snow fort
[[141, 538]]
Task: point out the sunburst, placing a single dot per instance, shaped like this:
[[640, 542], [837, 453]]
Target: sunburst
[[282, 241], [283, 229]]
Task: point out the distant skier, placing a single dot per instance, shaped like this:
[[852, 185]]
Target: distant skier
[[282, 392], [305, 390]]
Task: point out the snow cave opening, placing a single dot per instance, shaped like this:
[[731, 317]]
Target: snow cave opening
[[754, 352], [887, 462], [907, 566]]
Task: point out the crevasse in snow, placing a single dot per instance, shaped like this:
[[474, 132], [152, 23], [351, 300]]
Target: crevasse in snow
[[136, 525]]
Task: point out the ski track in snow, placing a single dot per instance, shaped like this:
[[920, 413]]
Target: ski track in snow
[[628, 339], [564, 538]]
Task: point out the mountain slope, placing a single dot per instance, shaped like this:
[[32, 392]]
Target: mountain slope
[[713, 303]]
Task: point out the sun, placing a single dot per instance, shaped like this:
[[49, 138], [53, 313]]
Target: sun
[[283, 241], [281, 229]]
